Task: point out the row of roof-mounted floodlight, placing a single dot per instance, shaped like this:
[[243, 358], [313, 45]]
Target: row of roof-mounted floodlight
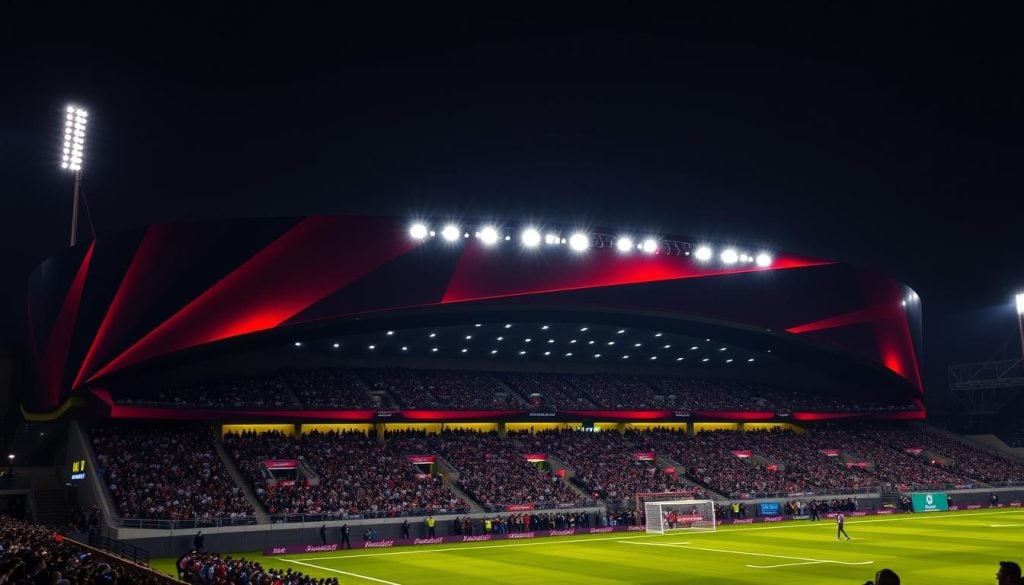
[[532, 237]]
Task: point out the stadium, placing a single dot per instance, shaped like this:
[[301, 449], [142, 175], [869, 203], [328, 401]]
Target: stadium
[[469, 392]]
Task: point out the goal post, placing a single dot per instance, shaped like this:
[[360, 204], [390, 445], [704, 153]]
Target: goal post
[[663, 516]]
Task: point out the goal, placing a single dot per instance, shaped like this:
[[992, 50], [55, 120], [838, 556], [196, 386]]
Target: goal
[[671, 515]]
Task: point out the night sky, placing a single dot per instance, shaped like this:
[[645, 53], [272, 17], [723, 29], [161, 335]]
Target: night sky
[[888, 137]]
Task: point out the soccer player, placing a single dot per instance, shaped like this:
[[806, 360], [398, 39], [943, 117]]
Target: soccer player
[[840, 521]]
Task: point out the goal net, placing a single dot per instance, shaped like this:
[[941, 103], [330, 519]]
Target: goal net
[[668, 515]]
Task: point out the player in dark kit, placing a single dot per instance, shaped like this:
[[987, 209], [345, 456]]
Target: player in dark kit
[[840, 522]]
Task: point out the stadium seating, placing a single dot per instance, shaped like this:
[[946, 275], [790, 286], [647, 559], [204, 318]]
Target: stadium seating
[[362, 388], [167, 473], [358, 477]]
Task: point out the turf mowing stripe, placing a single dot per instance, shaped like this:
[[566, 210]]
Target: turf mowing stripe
[[339, 571], [753, 554], [482, 547]]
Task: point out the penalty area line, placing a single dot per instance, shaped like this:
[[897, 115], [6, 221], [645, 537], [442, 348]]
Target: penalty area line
[[339, 571]]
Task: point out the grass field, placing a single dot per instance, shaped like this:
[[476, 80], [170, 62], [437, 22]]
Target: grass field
[[936, 548]]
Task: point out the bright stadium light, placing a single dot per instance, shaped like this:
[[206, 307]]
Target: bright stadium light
[[625, 245], [703, 253], [489, 235], [729, 256], [73, 156], [579, 242], [650, 245], [764, 260], [450, 232], [531, 238], [418, 231], [1020, 320]]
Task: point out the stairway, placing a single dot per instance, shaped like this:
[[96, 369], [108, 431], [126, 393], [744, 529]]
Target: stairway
[[51, 507], [451, 478], [662, 462], [236, 476]]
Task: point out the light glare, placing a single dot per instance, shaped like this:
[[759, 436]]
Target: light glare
[[625, 245], [418, 231], [579, 242], [531, 238], [450, 232], [729, 256], [489, 235], [703, 253], [764, 260], [650, 246]]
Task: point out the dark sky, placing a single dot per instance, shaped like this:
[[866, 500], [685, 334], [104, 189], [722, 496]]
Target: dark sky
[[885, 136]]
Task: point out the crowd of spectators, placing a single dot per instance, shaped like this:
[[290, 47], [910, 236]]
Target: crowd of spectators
[[606, 464], [31, 554], [201, 568], [548, 391], [964, 459], [346, 388], [250, 392], [357, 476], [167, 473], [469, 390], [333, 388], [174, 473], [803, 458], [493, 471], [890, 464]]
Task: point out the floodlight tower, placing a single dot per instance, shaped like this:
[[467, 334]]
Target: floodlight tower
[[75, 120], [1020, 321]]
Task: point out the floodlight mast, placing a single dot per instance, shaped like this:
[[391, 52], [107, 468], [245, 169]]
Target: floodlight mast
[[1020, 321], [71, 159]]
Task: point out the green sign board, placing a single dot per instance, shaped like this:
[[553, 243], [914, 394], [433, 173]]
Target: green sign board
[[930, 502]]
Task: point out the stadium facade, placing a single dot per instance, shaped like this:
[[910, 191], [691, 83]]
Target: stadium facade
[[138, 304]]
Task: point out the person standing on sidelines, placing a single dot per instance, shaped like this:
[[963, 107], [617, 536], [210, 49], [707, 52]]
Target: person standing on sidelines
[[344, 536], [840, 522]]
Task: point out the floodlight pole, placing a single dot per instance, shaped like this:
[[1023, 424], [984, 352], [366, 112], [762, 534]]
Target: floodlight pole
[[1020, 322], [74, 208]]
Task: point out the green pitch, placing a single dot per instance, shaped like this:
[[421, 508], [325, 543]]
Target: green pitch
[[956, 548]]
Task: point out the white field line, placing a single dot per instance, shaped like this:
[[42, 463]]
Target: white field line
[[783, 565], [548, 541], [339, 572], [1004, 525], [751, 554]]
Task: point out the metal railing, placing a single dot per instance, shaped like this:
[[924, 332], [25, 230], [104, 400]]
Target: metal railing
[[139, 556], [163, 524]]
